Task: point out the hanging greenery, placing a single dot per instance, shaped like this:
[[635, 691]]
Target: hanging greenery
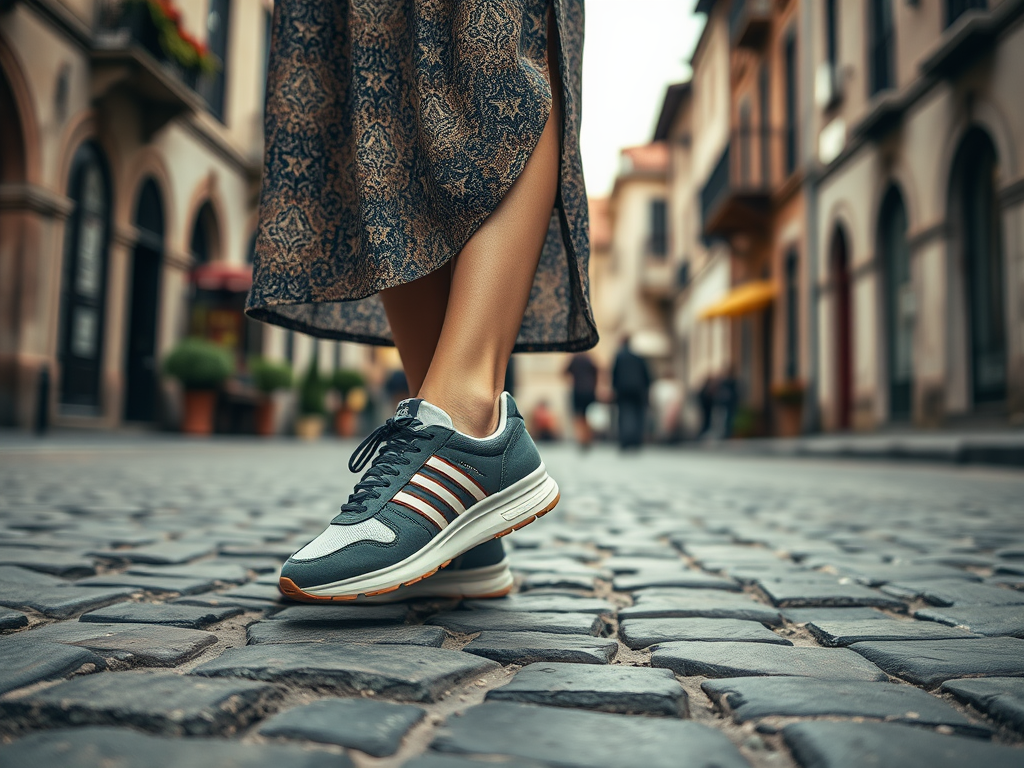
[[176, 42]]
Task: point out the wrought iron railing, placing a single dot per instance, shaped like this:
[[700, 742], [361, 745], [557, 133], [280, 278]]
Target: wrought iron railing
[[742, 10], [121, 24], [957, 8]]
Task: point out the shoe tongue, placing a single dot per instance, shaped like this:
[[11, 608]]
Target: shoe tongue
[[429, 415]]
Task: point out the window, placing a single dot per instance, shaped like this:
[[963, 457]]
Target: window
[[790, 64], [792, 316], [745, 142], [212, 86], [831, 50], [762, 98], [881, 37], [957, 8], [289, 347], [268, 35], [659, 233]]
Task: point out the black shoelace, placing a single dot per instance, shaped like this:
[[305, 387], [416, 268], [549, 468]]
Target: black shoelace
[[398, 437]]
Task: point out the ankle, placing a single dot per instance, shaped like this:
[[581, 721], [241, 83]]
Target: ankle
[[474, 412]]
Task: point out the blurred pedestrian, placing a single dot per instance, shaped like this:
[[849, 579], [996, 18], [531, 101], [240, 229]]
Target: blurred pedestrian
[[420, 157], [631, 381], [706, 399], [543, 423], [583, 372], [397, 387], [727, 397]]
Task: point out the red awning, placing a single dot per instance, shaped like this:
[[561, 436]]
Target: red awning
[[221, 276]]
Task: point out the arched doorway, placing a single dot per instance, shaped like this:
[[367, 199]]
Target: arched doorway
[[975, 181], [843, 324], [147, 263], [898, 294], [83, 291]]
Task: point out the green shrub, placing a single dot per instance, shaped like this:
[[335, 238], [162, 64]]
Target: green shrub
[[269, 376], [312, 391], [345, 380], [199, 364]]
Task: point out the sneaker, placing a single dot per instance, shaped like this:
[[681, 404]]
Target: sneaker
[[480, 573], [430, 494]]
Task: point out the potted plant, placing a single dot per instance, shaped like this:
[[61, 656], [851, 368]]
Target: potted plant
[[202, 367], [312, 392], [789, 396], [349, 385], [157, 26], [268, 377]]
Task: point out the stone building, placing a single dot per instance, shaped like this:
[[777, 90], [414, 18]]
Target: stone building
[[919, 227]]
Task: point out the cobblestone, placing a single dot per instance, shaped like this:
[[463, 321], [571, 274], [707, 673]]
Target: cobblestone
[[189, 536]]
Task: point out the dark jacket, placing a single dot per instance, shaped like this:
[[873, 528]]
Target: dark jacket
[[631, 378]]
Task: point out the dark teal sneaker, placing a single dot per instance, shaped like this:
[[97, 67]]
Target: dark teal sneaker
[[480, 573], [430, 495]]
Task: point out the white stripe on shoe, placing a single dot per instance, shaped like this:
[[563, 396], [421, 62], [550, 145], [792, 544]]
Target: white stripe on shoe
[[416, 504], [431, 485], [452, 472]]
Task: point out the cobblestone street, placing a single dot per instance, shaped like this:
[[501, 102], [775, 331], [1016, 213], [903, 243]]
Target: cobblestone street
[[676, 610]]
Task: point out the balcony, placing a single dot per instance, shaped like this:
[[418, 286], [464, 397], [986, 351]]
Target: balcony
[[127, 57], [750, 22], [738, 194], [658, 276]]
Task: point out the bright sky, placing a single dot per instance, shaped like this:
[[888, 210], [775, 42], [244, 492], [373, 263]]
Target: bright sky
[[633, 50]]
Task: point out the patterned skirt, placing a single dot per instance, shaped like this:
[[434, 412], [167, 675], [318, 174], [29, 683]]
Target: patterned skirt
[[393, 129]]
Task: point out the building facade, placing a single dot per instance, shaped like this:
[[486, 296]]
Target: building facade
[[919, 127]]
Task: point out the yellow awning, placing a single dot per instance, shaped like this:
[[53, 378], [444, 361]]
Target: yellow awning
[[742, 299]]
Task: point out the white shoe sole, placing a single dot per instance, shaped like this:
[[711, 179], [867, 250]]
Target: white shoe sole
[[497, 515], [469, 584]]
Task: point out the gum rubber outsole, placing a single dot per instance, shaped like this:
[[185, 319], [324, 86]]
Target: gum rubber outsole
[[291, 590]]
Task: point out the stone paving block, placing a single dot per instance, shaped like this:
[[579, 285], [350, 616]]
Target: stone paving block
[[70, 564], [613, 688], [930, 662], [821, 744], [60, 602], [344, 615], [275, 632], [955, 592], [468, 622], [700, 604], [1001, 698], [805, 615], [761, 659], [148, 645], [374, 727], [12, 619], [26, 662], [528, 647], [229, 573], [94, 746], [992, 620], [267, 592], [753, 698], [842, 633], [672, 577], [274, 550], [545, 604], [796, 594], [885, 573], [161, 553], [12, 574], [641, 633], [162, 702], [441, 760], [215, 600], [541, 580], [180, 586], [188, 616], [570, 738], [394, 671]]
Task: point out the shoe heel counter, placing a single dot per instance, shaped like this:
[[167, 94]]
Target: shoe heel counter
[[521, 457]]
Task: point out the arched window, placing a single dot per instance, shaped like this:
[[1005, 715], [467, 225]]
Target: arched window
[[205, 244], [83, 293], [792, 278], [881, 44], [899, 302], [843, 329]]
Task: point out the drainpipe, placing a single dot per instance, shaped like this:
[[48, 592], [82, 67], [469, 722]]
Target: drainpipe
[[808, 22]]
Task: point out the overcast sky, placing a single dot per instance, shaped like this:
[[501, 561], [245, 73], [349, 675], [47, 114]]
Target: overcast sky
[[633, 50]]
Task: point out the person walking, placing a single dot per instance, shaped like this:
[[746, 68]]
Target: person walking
[[583, 372], [631, 381], [706, 400], [423, 187], [727, 397]]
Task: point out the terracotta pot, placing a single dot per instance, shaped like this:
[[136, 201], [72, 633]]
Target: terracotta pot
[[265, 411], [345, 422], [310, 427], [198, 416], [789, 418]]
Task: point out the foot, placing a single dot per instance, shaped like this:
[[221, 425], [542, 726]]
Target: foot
[[480, 573], [430, 494]]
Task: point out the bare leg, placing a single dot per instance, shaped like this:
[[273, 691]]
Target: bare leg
[[416, 313], [490, 287]]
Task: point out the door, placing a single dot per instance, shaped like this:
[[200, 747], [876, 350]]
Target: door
[[147, 262], [83, 290], [983, 266], [844, 341], [899, 304]]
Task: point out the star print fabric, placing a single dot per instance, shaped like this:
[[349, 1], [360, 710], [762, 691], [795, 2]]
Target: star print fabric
[[393, 129]]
